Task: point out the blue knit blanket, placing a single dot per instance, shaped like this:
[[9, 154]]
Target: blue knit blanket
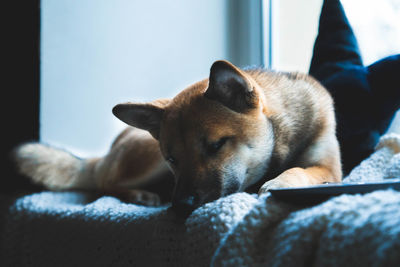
[[77, 229]]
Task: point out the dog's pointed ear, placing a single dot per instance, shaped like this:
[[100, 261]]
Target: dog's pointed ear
[[230, 86], [144, 116]]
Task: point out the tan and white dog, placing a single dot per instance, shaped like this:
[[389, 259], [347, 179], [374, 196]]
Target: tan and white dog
[[238, 130]]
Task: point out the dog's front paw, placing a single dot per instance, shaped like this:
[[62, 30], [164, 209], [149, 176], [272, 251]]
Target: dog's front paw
[[272, 184], [144, 198]]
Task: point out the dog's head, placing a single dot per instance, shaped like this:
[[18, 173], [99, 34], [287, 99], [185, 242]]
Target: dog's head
[[214, 135]]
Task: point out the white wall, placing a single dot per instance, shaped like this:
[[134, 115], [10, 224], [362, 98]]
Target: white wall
[[294, 28], [97, 53]]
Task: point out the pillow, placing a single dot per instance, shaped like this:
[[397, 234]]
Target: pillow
[[366, 97]]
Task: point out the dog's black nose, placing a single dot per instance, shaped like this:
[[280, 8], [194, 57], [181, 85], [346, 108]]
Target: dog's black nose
[[183, 207]]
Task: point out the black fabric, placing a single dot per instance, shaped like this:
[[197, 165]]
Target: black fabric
[[20, 86], [336, 47], [366, 97]]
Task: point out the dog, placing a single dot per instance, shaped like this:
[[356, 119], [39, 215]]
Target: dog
[[239, 130]]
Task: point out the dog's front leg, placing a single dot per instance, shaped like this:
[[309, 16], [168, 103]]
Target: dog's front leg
[[299, 177]]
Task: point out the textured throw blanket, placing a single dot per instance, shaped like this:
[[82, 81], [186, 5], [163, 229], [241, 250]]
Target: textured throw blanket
[[76, 229]]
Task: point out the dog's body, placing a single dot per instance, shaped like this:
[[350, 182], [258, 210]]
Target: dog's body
[[238, 130]]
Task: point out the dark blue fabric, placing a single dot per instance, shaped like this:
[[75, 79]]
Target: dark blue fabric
[[336, 47], [366, 97]]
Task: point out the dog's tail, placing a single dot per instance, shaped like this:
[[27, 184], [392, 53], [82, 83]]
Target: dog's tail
[[54, 168]]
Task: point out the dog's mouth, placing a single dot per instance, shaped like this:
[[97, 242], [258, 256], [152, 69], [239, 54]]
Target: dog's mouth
[[184, 207]]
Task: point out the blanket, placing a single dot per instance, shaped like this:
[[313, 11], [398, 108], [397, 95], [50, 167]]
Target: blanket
[[78, 229]]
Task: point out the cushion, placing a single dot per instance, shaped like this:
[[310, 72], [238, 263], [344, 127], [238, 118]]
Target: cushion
[[366, 97]]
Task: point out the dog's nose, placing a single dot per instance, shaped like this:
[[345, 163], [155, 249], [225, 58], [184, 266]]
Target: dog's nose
[[183, 207]]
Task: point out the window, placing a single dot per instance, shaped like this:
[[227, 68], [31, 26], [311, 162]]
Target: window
[[97, 53]]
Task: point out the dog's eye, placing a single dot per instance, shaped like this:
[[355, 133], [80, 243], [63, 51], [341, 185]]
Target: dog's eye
[[215, 146], [171, 160]]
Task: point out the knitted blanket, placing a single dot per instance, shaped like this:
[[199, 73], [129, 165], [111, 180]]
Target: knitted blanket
[[76, 229]]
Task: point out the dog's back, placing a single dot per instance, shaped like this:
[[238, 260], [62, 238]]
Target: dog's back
[[302, 114]]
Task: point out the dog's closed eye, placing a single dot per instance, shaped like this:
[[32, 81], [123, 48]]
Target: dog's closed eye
[[214, 147], [171, 160]]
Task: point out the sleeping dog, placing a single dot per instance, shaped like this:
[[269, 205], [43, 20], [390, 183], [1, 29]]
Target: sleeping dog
[[238, 130]]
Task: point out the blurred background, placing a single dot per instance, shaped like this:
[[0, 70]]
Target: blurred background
[[97, 53]]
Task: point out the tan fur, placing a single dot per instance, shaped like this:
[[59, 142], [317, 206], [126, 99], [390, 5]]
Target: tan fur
[[39, 161], [276, 130]]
